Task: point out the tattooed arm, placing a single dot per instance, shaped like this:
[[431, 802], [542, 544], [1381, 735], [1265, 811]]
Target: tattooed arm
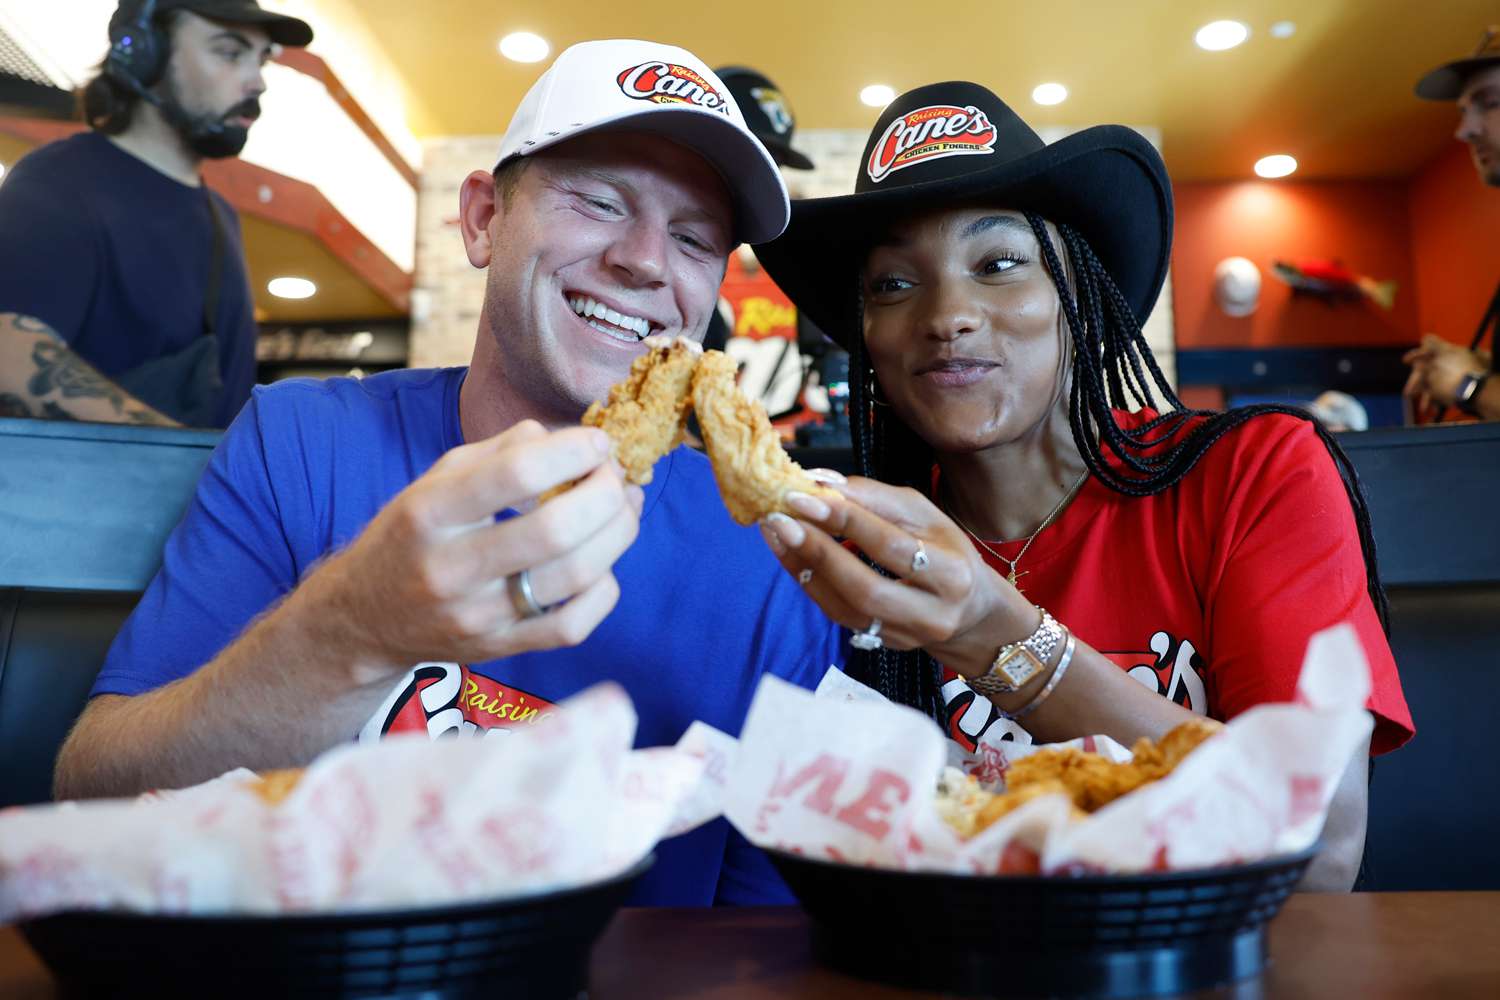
[[40, 376]]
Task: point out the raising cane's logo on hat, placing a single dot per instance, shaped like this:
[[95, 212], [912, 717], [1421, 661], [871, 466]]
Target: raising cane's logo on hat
[[667, 83], [930, 133]]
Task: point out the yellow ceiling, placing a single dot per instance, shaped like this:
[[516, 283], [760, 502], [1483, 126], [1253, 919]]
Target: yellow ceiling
[[1337, 94], [272, 251]]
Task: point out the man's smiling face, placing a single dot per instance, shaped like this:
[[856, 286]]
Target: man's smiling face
[[603, 240]]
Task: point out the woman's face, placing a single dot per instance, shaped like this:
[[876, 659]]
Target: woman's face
[[962, 327]]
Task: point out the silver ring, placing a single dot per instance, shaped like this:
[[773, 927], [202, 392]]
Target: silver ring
[[804, 577], [869, 639], [919, 560], [521, 597]]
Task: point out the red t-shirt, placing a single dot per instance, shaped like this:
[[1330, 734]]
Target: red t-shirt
[[1208, 592]]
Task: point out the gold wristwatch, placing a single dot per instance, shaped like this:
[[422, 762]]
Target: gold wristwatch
[[1018, 662]]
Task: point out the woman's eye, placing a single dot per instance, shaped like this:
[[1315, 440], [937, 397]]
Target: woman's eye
[[887, 285], [602, 205], [998, 265], [692, 241]]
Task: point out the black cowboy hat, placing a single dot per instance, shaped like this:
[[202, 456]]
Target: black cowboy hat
[[1447, 81], [767, 113], [954, 142]]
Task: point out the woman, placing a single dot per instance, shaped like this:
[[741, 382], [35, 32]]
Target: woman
[[1087, 569]]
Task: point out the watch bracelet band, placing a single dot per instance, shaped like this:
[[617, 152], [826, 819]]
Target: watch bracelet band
[[1469, 391], [1047, 689], [1033, 652]]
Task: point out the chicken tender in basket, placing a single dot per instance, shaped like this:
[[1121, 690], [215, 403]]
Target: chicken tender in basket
[[1095, 781], [275, 786]]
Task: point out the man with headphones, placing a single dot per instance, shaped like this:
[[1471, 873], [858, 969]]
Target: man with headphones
[[123, 289]]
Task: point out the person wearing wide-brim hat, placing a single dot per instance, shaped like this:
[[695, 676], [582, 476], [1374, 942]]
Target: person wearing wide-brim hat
[[1087, 569], [1443, 373]]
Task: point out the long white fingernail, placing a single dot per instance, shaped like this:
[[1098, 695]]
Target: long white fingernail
[[808, 505], [789, 531], [771, 539], [832, 477]]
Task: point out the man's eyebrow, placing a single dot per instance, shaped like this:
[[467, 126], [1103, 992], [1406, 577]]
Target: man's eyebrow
[[1488, 91], [615, 180], [233, 36], [605, 177]]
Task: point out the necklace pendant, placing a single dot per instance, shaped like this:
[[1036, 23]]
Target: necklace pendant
[[1013, 576]]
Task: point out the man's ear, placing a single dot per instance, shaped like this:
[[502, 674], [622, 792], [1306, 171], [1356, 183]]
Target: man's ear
[[477, 205]]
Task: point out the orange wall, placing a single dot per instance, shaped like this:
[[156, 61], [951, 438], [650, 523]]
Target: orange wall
[[1362, 223], [1455, 223]]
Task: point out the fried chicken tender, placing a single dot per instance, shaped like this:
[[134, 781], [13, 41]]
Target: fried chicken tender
[[1094, 781], [646, 415], [969, 808], [753, 471], [274, 786]]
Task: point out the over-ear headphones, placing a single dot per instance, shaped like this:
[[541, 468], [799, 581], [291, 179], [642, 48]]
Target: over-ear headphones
[[137, 47]]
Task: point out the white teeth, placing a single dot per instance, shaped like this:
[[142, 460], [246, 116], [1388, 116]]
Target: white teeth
[[590, 310], [614, 332]]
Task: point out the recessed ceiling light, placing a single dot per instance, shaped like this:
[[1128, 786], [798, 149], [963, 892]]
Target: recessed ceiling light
[[877, 95], [1283, 29], [292, 288], [523, 46], [1050, 93], [1279, 165], [1221, 35]]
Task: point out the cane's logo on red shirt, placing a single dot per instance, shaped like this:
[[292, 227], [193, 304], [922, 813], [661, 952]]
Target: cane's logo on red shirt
[[1172, 668], [669, 83], [930, 133], [445, 699]]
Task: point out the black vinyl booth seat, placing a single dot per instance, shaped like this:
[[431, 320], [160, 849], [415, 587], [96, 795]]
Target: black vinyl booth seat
[[53, 643], [86, 508], [1434, 496], [84, 512]]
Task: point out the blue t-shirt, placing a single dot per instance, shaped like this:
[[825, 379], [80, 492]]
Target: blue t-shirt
[[114, 255], [704, 610]]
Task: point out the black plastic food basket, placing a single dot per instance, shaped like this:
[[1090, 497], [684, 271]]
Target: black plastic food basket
[[533, 946], [1057, 936]]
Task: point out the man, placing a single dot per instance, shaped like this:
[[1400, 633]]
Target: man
[[1443, 373], [123, 291], [342, 569]]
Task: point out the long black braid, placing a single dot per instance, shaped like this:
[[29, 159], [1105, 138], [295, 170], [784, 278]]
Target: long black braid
[[1112, 368]]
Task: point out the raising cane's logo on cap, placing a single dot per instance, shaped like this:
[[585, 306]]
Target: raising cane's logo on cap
[[669, 83], [930, 133]]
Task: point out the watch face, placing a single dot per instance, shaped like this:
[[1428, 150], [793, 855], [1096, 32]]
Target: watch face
[[1017, 667]]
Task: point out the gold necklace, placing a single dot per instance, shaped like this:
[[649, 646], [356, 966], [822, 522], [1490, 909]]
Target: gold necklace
[[1013, 576]]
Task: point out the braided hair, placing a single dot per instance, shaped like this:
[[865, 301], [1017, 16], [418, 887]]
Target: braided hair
[[1112, 368]]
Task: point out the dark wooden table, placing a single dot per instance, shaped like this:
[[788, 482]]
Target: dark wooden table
[[1366, 946]]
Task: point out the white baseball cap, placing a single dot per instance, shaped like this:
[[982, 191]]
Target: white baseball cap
[[650, 87]]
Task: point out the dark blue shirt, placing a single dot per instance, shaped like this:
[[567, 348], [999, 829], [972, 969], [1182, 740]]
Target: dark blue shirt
[[704, 612], [115, 255]]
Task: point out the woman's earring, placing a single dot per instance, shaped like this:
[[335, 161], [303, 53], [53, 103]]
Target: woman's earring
[[872, 390]]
